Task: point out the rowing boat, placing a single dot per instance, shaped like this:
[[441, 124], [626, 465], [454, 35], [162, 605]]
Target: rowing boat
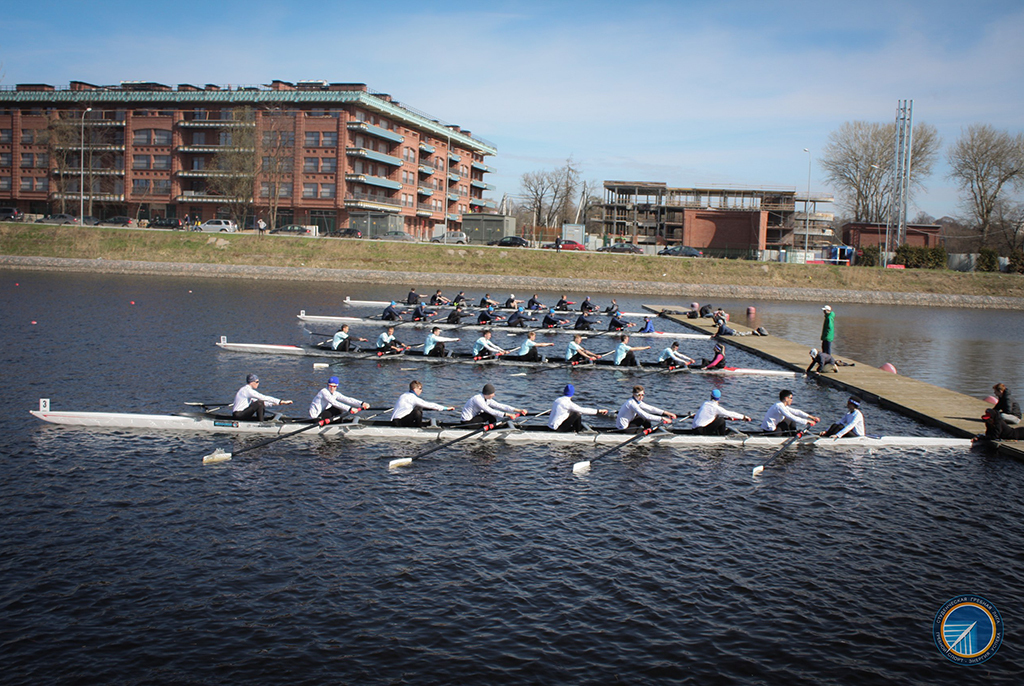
[[210, 423], [384, 303], [338, 321], [467, 358]]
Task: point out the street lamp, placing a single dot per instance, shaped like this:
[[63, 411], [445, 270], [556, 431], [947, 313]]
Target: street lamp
[[807, 204], [81, 171]]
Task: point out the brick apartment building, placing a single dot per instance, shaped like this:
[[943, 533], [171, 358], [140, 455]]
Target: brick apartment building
[[331, 154]]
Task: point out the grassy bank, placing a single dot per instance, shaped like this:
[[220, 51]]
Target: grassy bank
[[286, 251]]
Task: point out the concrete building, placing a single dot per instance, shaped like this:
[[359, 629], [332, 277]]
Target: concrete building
[[310, 152]]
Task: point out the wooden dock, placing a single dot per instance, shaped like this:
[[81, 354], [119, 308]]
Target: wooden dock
[[954, 412]]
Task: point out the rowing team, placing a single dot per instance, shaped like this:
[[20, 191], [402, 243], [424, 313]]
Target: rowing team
[[511, 303], [485, 347], [519, 318], [566, 416]]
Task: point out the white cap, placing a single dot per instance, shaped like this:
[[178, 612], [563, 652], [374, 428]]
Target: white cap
[[827, 308], [814, 352]]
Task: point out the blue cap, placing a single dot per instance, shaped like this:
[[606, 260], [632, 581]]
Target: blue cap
[[393, 302], [332, 380], [569, 390], [521, 308], [716, 394], [249, 378]]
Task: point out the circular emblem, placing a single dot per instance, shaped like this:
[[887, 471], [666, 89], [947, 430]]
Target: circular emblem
[[968, 630]]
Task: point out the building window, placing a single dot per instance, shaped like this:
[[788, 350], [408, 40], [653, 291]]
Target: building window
[[225, 138], [162, 186], [309, 190], [310, 165], [330, 139], [140, 186], [284, 190], [43, 184], [27, 159], [5, 183], [142, 136], [328, 165], [161, 136], [5, 135], [161, 161], [5, 159], [327, 190], [312, 139], [198, 163], [140, 161], [265, 189], [198, 138], [27, 136], [42, 160], [26, 183]]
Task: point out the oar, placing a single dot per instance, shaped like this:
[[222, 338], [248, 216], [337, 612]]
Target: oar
[[403, 461], [584, 466], [782, 448], [219, 455], [210, 406]]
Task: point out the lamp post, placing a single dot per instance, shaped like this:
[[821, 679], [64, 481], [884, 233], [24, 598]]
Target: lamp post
[[807, 203], [81, 171]]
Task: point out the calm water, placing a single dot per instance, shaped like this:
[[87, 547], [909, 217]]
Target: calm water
[[124, 559]]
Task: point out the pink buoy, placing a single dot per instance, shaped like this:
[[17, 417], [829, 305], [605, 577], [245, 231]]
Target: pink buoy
[[888, 368], [694, 306], [991, 399], [751, 311]]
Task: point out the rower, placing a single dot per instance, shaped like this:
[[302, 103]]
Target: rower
[[387, 344], [457, 315], [585, 323], [342, 341], [409, 408], [488, 316], [710, 418], [392, 313], [484, 347], [781, 418], [460, 298], [413, 298], [550, 321], [534, 303], [821, 360], [852, 422], [329, 403], [512, 303], [487, 302], [635, 413], [438, 300], [434, 345], [567, 416], [587, 306], [576, 353], [482, 408], [562, 303], [716, 362], [528, 350], [519, 318], [251, 403], [648, 326], [617, 323], [671, 357], [624, 356], [421, 313], [613, 308]]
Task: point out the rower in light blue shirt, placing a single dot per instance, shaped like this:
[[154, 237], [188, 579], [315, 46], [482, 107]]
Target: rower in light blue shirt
[[624, 356]]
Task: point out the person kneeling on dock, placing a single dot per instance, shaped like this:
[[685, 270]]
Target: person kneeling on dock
[[387, 344], [624, 356], [330, 403], [710, 418], [567, 416], [342, 342], [528, 350], [409, 408], [782, 418], [637, 414], [671, 357], [484, 347], [996, 428], [251, 403], [482, 408], [434, 345], [825, 363], [852, 422]]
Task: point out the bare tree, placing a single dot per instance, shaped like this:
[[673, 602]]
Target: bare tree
[[276, 154], [859, 161], [236, 165], [62, 139], [550, 197], [983, 162]]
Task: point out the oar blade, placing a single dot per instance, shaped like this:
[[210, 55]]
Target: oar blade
[[320, 365], [581, 467], [757, 470], [217, 455], [400, 462]]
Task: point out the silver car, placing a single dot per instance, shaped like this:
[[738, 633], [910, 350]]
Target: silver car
[[219, 225]]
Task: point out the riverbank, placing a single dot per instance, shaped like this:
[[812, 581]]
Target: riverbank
[[133, 251]]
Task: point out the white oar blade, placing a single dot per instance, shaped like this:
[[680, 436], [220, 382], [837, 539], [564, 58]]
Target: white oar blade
[[400, 462], [217, 455], [757, 470], [581, 467], [320, 365]]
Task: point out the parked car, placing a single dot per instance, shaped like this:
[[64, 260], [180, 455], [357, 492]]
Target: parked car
[[293, 229], [566, 245], [89, 221], [397, 236], [221, 225], [58, 219], [10, 214], [166, 223], [349, 233], [622, 248], [456, 237], [681, 251], [511, 242], [119, 221]]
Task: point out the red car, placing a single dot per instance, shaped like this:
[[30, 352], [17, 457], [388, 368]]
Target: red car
[[566, 245]]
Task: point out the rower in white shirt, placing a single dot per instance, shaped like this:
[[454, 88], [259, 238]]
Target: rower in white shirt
[[409, 408], [637, 414], [251, 403], [484, 347], [482, 408], [330, 403], [567, 416], [434, 345], [783, 418], [852, 422], [671, 357], [710, 418]]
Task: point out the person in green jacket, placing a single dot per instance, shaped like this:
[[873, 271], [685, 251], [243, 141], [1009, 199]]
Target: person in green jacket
[[828, 329]]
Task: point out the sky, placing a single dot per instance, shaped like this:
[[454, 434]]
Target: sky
[[685, 93]]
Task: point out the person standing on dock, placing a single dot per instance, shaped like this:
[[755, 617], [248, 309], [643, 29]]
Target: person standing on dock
[[329, 403], [342, 341], [710, 418], [567, 416], [251, 403], [624, 356], [828, 329], [409, 408], [852, 422], [482, 408], [528, 350], [434, 345], [1006, 405], [782, 418], [635, 413]]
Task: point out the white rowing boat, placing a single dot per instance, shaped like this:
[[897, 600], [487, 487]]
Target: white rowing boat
[[384, 303], [207, 423], [404, 324], [465, 358]]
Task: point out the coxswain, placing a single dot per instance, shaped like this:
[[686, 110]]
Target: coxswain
[[782, 418], [710, 418], [511, 303], [997, 429], [624, 356], [585, 323], [330, 403], [1006, 405], [716, 362], [251, 403], [392, 313], [421, 313], [567, 416], [482, 408], [563, 304], [457, 315], [534, 303], [587, 306], [617, 323], [575, 352], [460, 298], [387, 344], [519, 318], [671, 357], [852, 422], [487, 302], [635, 413], [488, 316], [648, 326], [484, 347], [528, 350], [409, 408], [342, 341], [822, 360], [437, 300], [434, 345], [550, 321], [413, 298]]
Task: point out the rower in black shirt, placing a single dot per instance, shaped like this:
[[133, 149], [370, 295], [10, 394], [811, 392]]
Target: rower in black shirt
[[487, 302], [617, 323], [587, 306], [457, 315], [512, 303], [413, 298], [562, 303], [421, 313], [392, 313], [585, 323], [488, 316], [519, 318], [534, 303], [551, 321], [437, 299], [613, 308], [460, 298]]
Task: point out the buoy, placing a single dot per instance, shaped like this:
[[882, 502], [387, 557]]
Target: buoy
[[751, 311], [694, 306], [991, 399], [133, 302], [888, 368], [33, 321]]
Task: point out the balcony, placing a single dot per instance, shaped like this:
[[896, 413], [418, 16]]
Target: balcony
[[213, 148], [453, 196], [426, 169], [373, 155], [480, 184], [105, 197], [202, 196], [104, 122], [113, 147], [480, 202], [424, 210], [373, 181], [375, 131], [213, 123], [454, 218], [75, 171], [206, 173], [429, 149], [453, 157], [453, 177], [425, 190], [372, 202], [483, 167]]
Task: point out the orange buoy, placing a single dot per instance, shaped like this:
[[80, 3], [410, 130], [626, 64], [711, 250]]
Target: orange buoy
[[888, 368], [991, 399], [751, 311]]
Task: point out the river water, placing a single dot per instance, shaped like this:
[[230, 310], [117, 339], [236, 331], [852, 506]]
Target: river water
[[126, 560]]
